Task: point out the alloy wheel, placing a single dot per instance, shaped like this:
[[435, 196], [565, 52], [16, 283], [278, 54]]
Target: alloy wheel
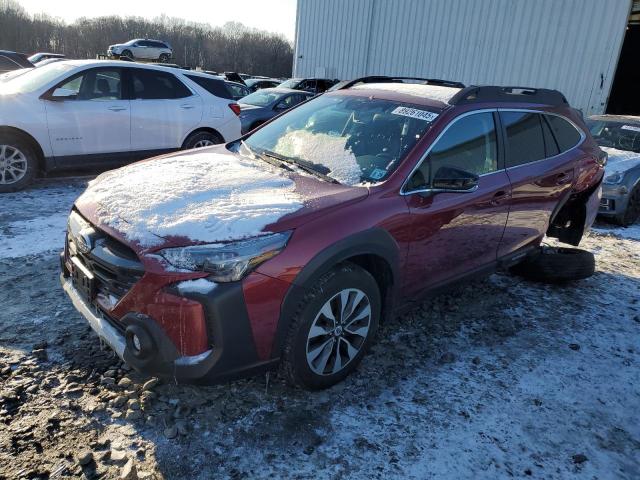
[[13, 164], [203, 143], [338, 331]]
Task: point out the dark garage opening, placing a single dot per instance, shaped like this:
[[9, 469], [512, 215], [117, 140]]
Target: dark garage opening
[[625, 92]]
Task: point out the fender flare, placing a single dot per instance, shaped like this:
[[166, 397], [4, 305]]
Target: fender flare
[[375, 241]]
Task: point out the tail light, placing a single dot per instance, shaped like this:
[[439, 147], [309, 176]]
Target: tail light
[[235, 108]]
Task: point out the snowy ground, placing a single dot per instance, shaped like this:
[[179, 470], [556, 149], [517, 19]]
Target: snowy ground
[[501, 378]]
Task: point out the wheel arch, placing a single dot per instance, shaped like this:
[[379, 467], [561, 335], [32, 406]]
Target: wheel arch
[[374, 250], [29, 138], [202, 129]]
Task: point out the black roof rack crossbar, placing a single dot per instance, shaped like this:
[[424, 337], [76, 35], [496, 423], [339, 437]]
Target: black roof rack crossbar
[[387, 79], [479, 94]]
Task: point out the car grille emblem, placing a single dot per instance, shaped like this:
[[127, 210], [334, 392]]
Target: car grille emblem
[[84, 240]]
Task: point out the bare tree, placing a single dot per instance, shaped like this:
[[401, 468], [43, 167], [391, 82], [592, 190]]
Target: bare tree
[[232, 47]]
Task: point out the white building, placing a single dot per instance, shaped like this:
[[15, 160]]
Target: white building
[[575, 46]]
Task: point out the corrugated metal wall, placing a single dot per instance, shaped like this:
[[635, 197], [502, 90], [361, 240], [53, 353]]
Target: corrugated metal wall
[[571, 45]]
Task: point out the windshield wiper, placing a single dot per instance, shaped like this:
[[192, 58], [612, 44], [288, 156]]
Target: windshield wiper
[[264, 157], [304, 165]]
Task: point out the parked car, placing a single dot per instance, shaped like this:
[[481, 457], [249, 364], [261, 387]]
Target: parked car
[[619, 136], [10, 61], [142, 49], [39, 57], [237, 90], [256, 84], [312, 85], [90, 113], [291, 244], [263, 105]]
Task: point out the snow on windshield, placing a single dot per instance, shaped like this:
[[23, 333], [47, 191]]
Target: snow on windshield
[[434, 92], [205, 197], [620, 160], [327, 150]]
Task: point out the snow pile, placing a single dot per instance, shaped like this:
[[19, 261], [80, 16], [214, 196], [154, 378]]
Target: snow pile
[[432, 92], [201, 285], [620, 160], [328, 150], [202, 196]]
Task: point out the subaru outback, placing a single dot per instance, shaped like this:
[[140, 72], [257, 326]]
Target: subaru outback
[[290, 245]]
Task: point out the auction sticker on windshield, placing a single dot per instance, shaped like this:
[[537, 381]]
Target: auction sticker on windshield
[[415, 113]]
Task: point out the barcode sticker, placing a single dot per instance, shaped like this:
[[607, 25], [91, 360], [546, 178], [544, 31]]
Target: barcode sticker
[[425, 115]]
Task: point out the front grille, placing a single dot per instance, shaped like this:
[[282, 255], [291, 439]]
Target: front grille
[[115, 266]]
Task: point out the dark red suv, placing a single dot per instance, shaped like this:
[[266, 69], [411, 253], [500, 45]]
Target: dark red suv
[[292, 244]]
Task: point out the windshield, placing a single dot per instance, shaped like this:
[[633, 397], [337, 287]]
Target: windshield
[[261, 98], [291, 83], [35, 78], [353, 140], [619, 134]]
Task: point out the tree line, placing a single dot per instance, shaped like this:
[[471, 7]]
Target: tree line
[[232, 47]]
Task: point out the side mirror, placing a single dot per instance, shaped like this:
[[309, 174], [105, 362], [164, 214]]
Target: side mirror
[[452, 179], [60, 94]]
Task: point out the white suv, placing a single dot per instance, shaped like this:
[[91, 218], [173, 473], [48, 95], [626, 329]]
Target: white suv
[[89, 113], [142, 48]]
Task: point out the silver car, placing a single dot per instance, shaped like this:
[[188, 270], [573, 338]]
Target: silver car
[[142, 49], [619, 136]]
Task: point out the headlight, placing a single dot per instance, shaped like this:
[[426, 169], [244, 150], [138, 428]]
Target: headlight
[[227, 262], [613, 179]]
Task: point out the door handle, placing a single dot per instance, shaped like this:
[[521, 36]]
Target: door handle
[[563, 178], [117, 109], [500, 197], [187, 106]]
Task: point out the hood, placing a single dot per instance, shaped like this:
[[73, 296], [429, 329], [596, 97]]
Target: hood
[[620, 161], [205, 196]]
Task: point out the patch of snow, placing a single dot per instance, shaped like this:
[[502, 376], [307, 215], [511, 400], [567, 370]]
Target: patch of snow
[[432, 92], [34, 236], [201, 285], [631, 232], [202, 196], [328, 150], [620, 160]]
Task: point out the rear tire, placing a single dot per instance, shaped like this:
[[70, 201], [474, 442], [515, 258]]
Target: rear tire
[[632, 212], [333, 328], [164, 58], [557, 265], [18, 163], [202, 139]]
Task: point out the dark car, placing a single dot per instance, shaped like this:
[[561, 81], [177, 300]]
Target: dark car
[[290, 245], [10, 61], [619, 136], [237, 90], [311, 85], [260, 106], [256, 84]]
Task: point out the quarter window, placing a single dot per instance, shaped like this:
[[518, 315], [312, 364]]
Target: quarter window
[[469, 144], [566, 134], [525, 140], [156, 85], [211, 85]]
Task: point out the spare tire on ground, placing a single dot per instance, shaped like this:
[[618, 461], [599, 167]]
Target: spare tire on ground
[[557, 265]]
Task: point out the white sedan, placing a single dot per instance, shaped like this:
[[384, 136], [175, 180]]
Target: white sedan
[[89, 113]]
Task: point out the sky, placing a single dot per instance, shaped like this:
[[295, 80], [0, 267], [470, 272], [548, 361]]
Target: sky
[[272, 15]]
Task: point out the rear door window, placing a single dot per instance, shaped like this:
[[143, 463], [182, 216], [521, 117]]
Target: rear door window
[[525, 138], [564, 132], [156, 85]]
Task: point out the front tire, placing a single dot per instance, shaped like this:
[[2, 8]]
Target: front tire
[[18, 163], [164, 58], [202, 139], [632, 212], [333, 327], [127, 53]]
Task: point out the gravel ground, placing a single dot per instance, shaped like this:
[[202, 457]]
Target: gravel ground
[[500, 378]]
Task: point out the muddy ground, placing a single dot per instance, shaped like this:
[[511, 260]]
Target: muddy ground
[[500, 378]]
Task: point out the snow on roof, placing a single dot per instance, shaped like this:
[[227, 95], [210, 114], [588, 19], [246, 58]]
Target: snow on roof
[[620, 160], [202, 196], [433, 92]]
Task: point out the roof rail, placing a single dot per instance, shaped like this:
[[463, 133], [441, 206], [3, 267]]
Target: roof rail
[[478, 94], [386, 79]]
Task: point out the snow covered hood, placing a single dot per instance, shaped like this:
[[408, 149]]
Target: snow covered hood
[[620, 160], [202, 196]]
